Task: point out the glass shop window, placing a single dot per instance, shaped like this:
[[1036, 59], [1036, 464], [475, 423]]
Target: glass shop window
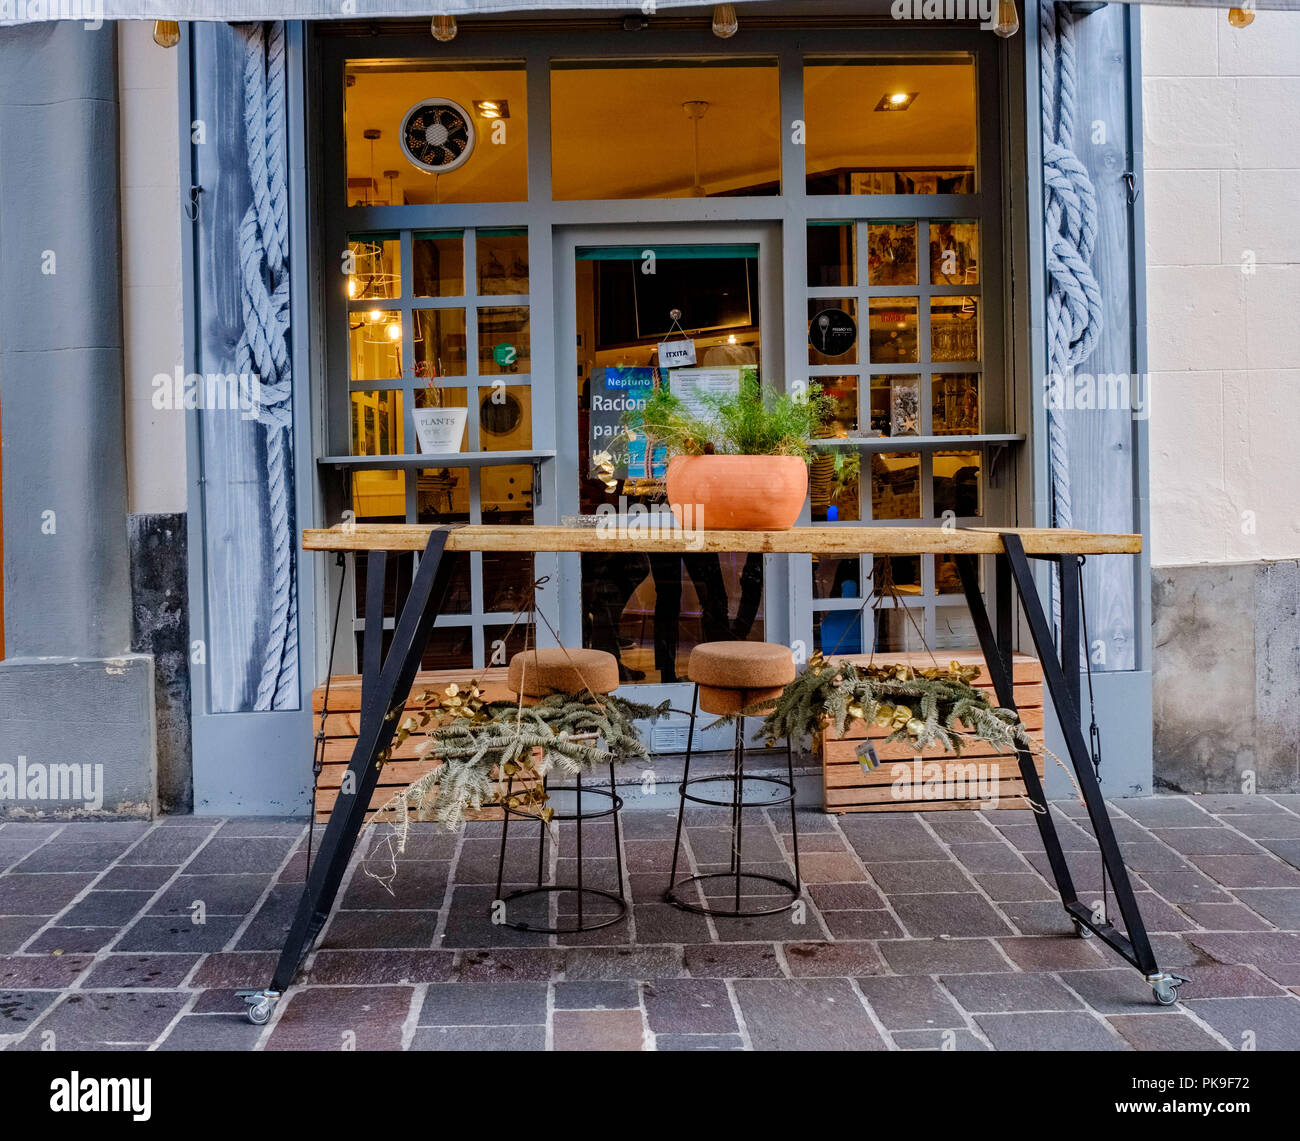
[[667, 129], [891, 125], [419, 133]]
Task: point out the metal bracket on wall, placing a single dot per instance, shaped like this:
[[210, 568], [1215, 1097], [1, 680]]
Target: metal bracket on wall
[[1130, 180], [191, 208], [996, 453]]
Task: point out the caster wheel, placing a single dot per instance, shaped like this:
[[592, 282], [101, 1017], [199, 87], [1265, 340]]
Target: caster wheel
[[1082, 930], [1165, 989], [259, 1013], [259, 1004]]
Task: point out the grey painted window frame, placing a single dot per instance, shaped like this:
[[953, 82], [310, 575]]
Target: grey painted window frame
[[548, 220]]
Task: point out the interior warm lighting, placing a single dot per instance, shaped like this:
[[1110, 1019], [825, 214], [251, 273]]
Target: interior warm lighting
[[394, 331], [896, 100], [167, 33], [1008, 21], [725, 21], [375, 316], [731, 339], [352, 286], [1240, 17], [492, 108], [444, 29]]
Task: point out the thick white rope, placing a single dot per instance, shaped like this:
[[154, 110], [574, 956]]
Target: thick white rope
[[263, 348]]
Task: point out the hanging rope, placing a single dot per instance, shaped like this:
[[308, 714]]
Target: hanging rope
[[1074, 305], [263, 348]]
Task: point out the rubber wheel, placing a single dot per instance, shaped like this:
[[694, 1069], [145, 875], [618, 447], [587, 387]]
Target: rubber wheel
[[259, 1013], [1166, 995]]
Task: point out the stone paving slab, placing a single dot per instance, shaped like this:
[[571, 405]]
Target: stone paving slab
[[915, 931]]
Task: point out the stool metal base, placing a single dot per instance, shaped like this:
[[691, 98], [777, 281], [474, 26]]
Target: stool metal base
[[731, 913], [578, 817], [578, 928], [738, 805]]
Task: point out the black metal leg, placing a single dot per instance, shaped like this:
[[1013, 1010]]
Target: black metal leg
[[1067, 569], [541, 842], [686, 775], [737, 816], [387, 695], [618, 835], [505, 827], [997, 656], [794, 817], [577, 824], [372, 645], [1136, 948]]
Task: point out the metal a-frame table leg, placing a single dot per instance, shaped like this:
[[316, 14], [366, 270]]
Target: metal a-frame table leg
[[1013, 567], [386, 683]]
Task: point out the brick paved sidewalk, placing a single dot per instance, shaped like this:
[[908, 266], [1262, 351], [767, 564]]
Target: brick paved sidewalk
[[922, 931]]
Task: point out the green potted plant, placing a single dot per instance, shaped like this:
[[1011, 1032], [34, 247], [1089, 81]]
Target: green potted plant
[[739, 464]]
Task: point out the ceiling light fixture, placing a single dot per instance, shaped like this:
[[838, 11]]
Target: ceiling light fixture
[[1008, 21], [725, 21], [1240, 17], [695, 110], [896, 100], [444, 29], [166, 33], [492, 108]]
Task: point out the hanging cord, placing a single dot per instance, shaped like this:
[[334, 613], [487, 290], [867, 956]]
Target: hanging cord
[[1094, 733], [318, 756], [882, 587]]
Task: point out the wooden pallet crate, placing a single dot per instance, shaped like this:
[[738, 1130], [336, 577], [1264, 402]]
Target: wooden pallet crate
[[405, 766], [893, 785]]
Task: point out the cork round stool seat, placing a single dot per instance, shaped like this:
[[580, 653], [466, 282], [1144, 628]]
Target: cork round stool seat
[[575, 673], [731, 678]]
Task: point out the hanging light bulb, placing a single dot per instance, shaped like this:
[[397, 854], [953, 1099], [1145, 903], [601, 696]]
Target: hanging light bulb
[[1008, 21], [166, 33], [1240, 17], [444, 29], [725, 21]]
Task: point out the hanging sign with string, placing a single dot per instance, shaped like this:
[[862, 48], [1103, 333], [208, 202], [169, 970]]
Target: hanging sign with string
[[679, 353]]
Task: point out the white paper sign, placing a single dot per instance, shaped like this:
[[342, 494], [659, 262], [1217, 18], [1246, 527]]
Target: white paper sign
[[439, 430], [689, 385], [675, 354]]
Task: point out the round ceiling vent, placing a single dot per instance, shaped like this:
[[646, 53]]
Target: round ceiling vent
[[437, 135]]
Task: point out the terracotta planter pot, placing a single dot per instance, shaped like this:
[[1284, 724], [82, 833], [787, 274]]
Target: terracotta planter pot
[[737, 493]]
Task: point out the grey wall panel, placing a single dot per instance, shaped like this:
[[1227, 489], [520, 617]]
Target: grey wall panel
[[1101, 440], [66, 575]]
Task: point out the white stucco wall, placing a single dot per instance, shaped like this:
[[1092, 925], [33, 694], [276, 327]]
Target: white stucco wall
[[152, 302], [1221, 110]]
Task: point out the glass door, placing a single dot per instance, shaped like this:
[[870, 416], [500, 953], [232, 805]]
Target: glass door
[[695, 308]]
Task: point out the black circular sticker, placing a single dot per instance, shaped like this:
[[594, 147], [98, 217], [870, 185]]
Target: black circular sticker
[[832, 332]]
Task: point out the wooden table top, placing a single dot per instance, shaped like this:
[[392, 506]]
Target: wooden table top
[[823, 540]]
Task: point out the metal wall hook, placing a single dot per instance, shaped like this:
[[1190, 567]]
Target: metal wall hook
[[1130, 180]]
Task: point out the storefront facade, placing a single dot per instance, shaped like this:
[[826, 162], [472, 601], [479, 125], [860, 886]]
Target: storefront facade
[[878, 173]]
